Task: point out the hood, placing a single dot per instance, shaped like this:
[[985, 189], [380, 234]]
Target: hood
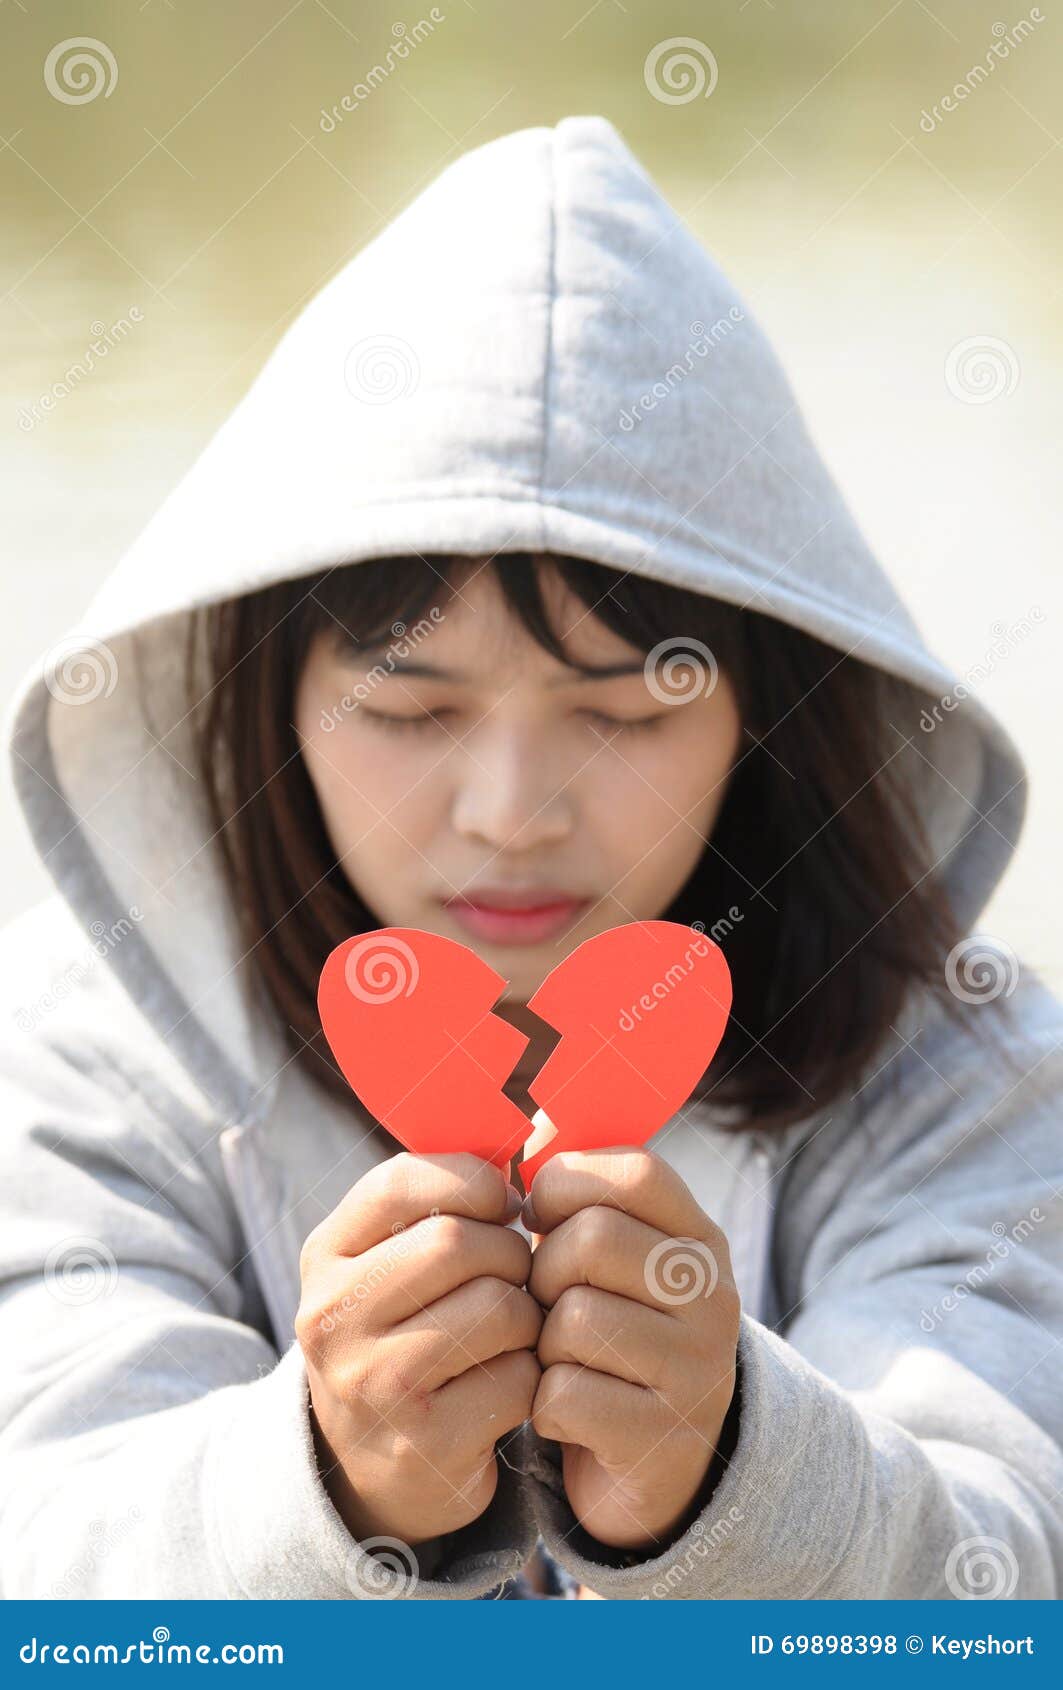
[[535, 354]]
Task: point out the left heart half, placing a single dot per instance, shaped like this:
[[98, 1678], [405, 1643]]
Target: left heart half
[[409, 1018]]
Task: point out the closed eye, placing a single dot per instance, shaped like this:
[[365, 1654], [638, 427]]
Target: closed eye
[[610, 724], [435, 718]]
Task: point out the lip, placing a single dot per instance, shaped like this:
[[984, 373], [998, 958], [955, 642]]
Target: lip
[[508, 915]]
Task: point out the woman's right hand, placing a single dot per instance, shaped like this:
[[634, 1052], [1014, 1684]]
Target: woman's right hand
[[419, 1338]]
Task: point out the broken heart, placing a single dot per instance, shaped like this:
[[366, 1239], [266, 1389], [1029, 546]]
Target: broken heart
[[409, 1017]]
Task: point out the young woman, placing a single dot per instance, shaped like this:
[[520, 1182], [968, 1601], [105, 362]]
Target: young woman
[[515, 604]]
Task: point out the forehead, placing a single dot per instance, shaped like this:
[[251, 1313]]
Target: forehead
[[478, 630]]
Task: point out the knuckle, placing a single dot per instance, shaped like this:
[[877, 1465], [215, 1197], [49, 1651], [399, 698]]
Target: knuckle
[[467, 1166], [414, 1181], [547, 1182], [527, 1374], [405, 1391], [308, 1330], [538, 1278], [529, 1315], [318, 1327], [547, 1414], [721, 1249], [522, 1256], [643, 1173], [309, 1254], [486, 1182], [574, 1310], [391, 1385], [726, 1303], [477, 1488], [403, 1449], [596, 1228], [520, 1322], [448, 1238], [402, 1171], [490, 1296], [543, 1420], [477, 1184], [385, 1179]]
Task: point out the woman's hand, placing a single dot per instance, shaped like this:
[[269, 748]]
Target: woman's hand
[[419, 1340], [638, 1348]]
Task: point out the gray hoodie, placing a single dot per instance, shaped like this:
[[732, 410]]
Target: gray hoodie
[[535, 355]]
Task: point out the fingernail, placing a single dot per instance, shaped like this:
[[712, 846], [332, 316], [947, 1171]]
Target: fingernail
[[528, 1215], [513, 1202]]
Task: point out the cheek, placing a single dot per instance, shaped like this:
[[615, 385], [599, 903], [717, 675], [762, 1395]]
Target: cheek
[[702, 780], [345, 772], [338, 787], [683, 775], [711, 744], [376, 800]]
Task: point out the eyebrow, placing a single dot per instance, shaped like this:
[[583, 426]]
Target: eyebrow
[[430, 671]]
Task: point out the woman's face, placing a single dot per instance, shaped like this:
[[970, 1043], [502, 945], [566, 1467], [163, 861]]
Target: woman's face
[[475, 786]]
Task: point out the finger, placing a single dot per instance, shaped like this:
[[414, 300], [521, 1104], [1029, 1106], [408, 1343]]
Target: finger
[[434, 1257], [598, 1329], [617, 1253], [617, 1420], [482, 1319], [632, 1180], [486, 1402], [396, 1279], [403, 1190]]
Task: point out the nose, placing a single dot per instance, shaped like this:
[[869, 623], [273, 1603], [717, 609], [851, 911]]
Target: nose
[[509, 796]]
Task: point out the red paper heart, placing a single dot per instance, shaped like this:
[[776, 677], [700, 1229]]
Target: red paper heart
[[408, 1016], [641, 1010]]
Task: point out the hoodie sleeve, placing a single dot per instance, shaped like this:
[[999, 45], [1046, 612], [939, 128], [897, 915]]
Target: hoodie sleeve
[[903, 1438], [152, 1444]]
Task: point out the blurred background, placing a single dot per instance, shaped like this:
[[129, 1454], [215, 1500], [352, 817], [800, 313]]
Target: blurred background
[[881, 178]]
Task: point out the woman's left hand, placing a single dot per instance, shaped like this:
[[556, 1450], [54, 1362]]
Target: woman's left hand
[[638, 1348]]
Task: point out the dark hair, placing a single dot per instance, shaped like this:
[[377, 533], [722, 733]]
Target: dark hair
[[818, 879]]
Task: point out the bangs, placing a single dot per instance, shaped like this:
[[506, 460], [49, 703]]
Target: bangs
[[373, 602]]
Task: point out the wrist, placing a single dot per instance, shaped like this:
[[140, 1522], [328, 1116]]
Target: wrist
[[657, 1541], [357, 1514]]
